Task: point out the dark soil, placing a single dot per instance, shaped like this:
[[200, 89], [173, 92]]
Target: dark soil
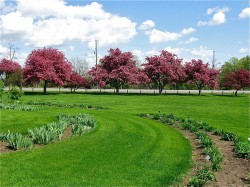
[[234, 170]]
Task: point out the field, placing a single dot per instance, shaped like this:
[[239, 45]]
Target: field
[[124, 149]]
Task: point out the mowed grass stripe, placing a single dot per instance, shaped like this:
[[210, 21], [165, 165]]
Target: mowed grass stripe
[[122, 151]]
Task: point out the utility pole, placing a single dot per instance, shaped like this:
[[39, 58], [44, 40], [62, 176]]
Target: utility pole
[[213, 62], [96, 58]]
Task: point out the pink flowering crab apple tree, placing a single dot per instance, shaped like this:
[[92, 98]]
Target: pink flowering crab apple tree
[[238, 80], [76, 81], [116, 69], [164, 69], [10, 72], [48, 65], [8, 66], [201, 75]]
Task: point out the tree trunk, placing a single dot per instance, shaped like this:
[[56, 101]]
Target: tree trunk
[[117, 90], [160, 90], [236, 93], [45, 87], [199, 91]]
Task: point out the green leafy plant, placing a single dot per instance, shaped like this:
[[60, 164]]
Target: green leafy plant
[[1, 88], [202, 177], [15, 93], [79, 130], [18, 141], [18, 107], [242, 149], [48, 133], [228, 136]]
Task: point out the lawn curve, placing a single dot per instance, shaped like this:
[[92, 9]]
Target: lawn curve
[[123, 150]]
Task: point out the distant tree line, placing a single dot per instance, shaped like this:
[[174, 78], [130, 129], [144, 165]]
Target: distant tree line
[[49, 67]]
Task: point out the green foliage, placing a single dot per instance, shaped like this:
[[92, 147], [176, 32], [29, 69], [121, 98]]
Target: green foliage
[[47, 103], [215, 157], [15, 93], [242, 149], [18, 107], [229, 136], [18, 141], [202, 177], [1, 88], [234, 64], [4, 136], [47, 134], [79, 130]]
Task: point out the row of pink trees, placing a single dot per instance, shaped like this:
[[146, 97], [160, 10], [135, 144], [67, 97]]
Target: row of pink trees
[[47, 66], [119, 68]]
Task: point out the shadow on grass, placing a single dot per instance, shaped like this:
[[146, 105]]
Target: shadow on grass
[[41, 93], [135, 94]]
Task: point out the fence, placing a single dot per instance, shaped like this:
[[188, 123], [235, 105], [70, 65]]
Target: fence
[[141, 91]]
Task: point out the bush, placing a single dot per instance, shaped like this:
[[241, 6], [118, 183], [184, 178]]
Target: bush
[[15, 93]]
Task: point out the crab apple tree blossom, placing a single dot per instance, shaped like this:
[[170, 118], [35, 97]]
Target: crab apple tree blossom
[[164, 69], [238, 80], [76, 81], [201, 75], [48, 65], [116, 69], [10, 72]]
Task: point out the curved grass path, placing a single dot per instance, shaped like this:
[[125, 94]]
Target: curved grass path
[[123, 150]]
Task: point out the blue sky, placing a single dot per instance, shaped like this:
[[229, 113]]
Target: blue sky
[[191, 29]]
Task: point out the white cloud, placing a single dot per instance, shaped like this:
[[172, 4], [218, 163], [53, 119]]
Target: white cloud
[[72, 48], [146, 25], [243, 50], [219, 17], [212, 10], [245, 13], [202, 52], [176, 51], [190, 40], [187, 31], [41, 25], [3, 51], [21, 58], [14, 23], [156, 36]]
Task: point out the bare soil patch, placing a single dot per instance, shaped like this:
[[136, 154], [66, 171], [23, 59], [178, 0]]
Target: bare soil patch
[[234, 170]]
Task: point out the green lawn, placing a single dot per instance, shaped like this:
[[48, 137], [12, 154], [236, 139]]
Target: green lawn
[[124, 149]]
